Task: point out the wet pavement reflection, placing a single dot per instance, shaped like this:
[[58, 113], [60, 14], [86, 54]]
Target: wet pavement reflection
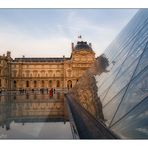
[[33, 115]]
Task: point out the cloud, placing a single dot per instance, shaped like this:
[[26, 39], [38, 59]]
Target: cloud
[[51, 38], [143, 130], [143, 115]]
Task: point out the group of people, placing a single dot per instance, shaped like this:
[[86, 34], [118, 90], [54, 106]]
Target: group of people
[[22, 91], [51, 91]]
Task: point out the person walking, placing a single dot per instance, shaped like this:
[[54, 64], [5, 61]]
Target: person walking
[[51, 93]]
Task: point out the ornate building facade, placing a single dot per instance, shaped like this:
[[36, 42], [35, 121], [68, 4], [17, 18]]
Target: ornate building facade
[[46, 73], [5, 62]]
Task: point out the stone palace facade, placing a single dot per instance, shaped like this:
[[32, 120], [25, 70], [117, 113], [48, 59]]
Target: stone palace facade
[[46, 73]]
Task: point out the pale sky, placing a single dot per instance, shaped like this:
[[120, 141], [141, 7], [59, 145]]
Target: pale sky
[[49, 32]]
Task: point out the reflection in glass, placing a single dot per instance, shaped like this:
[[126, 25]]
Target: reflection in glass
[[143, 62], [130, 53], [135, 124], [136, 92], [120, 83], [110, 109]]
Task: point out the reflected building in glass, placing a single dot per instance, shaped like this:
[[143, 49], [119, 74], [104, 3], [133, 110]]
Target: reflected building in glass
[[123, 90]]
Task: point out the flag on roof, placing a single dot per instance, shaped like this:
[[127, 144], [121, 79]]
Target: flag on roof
[[79, 36]]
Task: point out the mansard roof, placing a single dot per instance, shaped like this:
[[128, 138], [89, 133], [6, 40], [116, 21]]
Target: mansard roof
[[40, 59], [82, 46]]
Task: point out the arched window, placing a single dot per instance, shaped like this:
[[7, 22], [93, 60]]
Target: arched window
[[35, 84], [35, 73], [43, 83], [50, 83], [50, 73], [69, 84], [14, 84], [43, 73], [58, 73], [27, 83], [58, 83]]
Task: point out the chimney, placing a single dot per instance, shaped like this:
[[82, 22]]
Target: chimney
[[90, 45], [72, 46]]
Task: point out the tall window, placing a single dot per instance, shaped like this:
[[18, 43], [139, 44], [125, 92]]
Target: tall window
[[50, 83], [27, 83], [69, 84], [43, 83], [58, 73], [43, 73], [58, 83], [35, 73], [35, 84], [50, 73], [14, 82]]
